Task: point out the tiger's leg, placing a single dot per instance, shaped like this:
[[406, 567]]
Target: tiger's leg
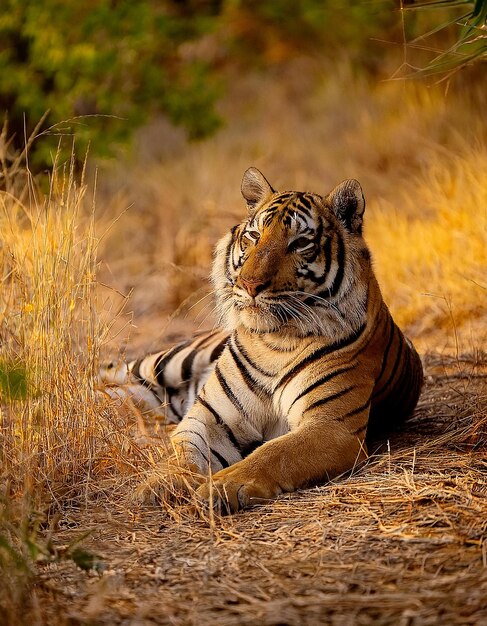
[[214, 435], [201, 446], [325, 441], [198, 449]]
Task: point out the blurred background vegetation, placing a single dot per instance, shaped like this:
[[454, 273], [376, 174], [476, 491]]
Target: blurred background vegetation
[[99, 69]]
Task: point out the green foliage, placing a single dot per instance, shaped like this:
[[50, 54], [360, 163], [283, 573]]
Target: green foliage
[[13, 381], [470, 26], [270, 30], [102, 68]]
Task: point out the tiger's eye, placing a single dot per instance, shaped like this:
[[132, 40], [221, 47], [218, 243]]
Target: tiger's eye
[[300, 244], [251, 236]]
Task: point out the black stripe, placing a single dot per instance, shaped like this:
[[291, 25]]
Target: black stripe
[[249, 380], [360, 429], [334, 396], [269, 217], [307, 203], [322, 381], [405, 387], [171, 392], [135, 372], [193, 432], [392, 330], [319, 280], [337, 281], [210, 409], [401, 385], [218, 349], [187, 364], [271, 346], [164, 359], [275, 348], [317, 354], [356, 411], [223, 462], [372, 333], [317, 240], [252, 363], [220, 421], [289, 204], [282, 195], [228, 253], [327, 251], [228, 391], [392, 375]]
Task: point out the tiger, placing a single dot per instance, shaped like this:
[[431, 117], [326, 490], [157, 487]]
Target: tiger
[[312, 363]]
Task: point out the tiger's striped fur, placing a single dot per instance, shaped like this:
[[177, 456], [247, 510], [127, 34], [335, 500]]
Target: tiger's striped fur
[[166, 383], [314, 359]]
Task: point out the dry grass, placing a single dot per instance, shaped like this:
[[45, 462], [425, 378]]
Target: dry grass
[[431, 258], [403, 541], [56, 434], [50, 331]]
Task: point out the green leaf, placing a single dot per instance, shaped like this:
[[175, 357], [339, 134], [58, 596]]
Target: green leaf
[[86, 560], [13, 381]]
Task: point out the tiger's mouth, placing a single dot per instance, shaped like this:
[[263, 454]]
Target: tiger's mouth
[[269, 314]]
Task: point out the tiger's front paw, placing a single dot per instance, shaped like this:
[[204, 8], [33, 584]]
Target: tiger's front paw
[[168, 482], [236, 488]]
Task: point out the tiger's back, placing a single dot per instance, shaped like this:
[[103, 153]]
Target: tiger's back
[[166, 386]]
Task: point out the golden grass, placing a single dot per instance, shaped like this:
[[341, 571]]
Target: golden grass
[[431, 259], [403, 540], [59, 436], [50, 329]]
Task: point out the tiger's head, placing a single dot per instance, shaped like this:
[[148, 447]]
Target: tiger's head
[[296, 264]]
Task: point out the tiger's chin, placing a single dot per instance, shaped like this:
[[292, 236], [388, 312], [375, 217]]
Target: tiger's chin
[[261, 321], [257, 320]]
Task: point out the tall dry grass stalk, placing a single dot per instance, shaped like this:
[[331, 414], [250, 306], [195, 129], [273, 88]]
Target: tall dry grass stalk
[[52, 424]]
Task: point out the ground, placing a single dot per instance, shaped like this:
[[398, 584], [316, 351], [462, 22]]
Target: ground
[[403, 541]]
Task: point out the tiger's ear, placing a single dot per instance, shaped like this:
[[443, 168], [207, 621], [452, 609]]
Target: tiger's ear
[[348, 204], [255, 188]]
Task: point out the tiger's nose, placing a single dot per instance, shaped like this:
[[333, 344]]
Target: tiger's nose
[[253, 287]]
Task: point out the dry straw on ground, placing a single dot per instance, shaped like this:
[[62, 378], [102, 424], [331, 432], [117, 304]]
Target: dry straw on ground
[[403, 540]]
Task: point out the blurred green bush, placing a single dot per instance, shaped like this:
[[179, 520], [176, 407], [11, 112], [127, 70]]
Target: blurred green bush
[[101, 68], [102, 58]]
